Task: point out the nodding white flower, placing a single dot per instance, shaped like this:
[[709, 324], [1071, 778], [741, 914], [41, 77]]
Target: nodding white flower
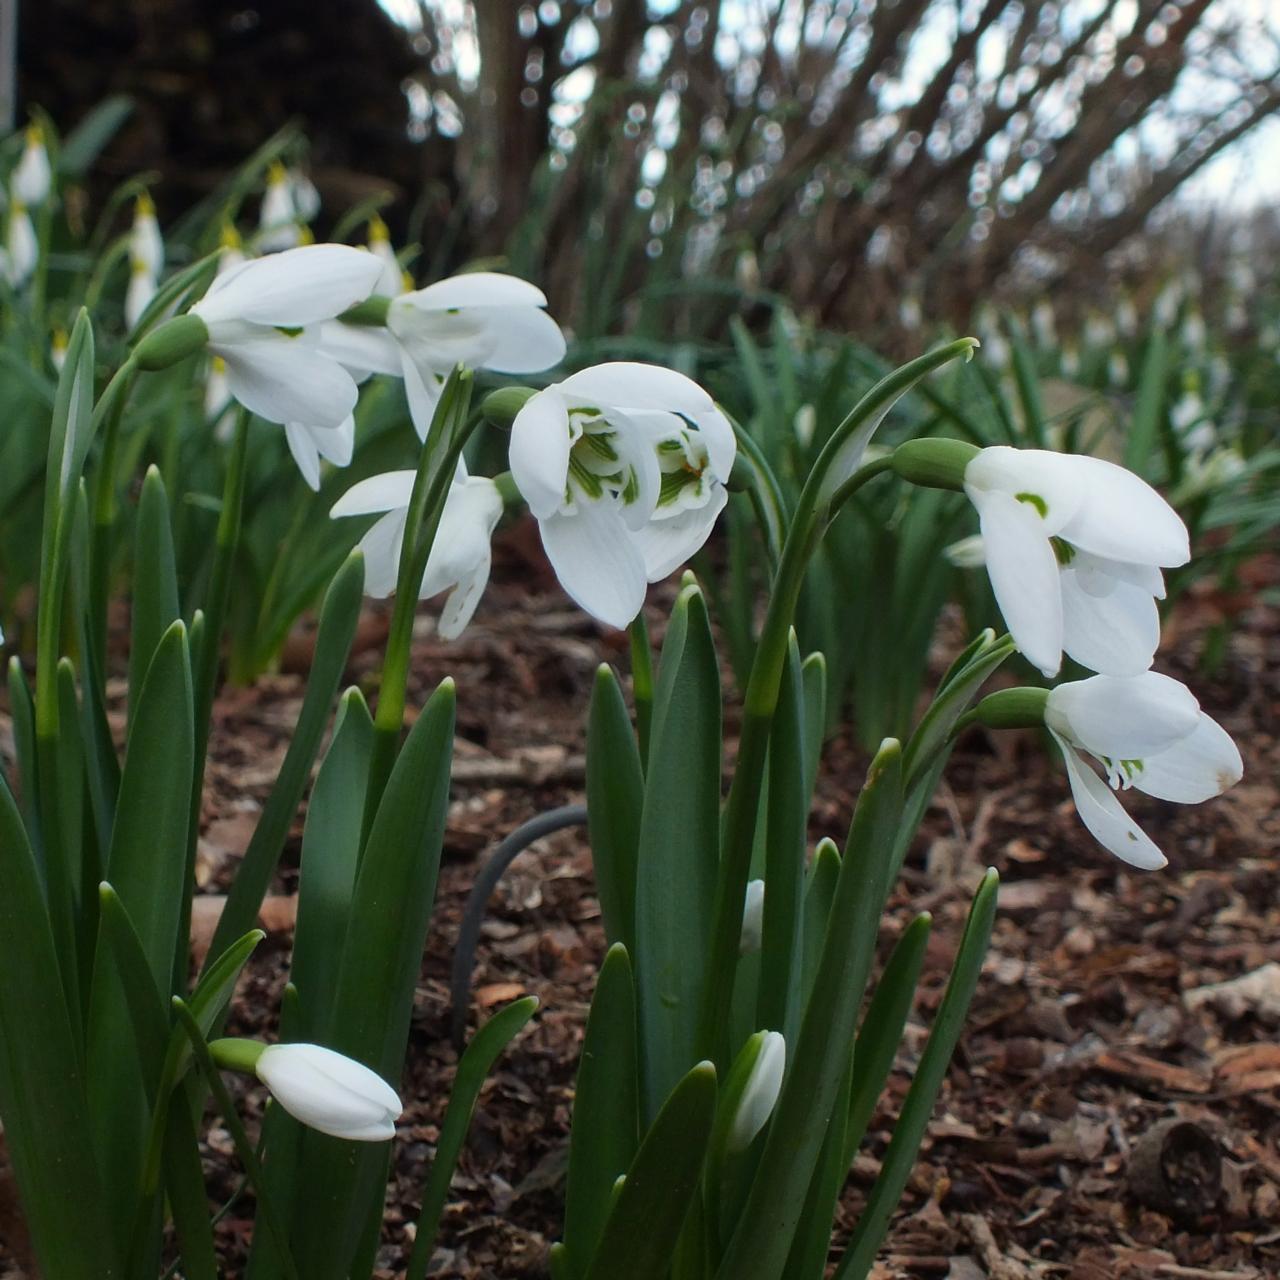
[[752, 919], [230, 249], [482, 319], [910, 313], [805, 424], [1148, 732], [1118, 369], [309, 444], [262, 319], [33, 176], [1168, 300], [1194, 331], [330, 1092], [146, 244], [1042, 323], [1098, 331], [303, 194], [1070, 360], [761, 1093], [58, 349], [391, 283], [218, 400], [460, 555], [22, 249], [624, 467], [1126, 317], [1074, 548], [277, 218], [142, 288], [995, 347]]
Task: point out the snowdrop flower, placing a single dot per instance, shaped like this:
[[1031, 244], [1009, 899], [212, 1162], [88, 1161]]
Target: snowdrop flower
[[623, 465], [259, 319], [1098, 331], [218, 400], [805, 423], [460, 555], [1126, 317], [22, 249], [330, 1092], [303, 194], [1118, 369], [910, 313], [309, 444], [58, 349], [995, 348], [1194, 331], [146, 244], [1148, 732], [391, 283], [142, 288], [752, 918], [1070, 360], [1042, 324], [1074, 546], [33, 176], [1167, 302], [277, 218], [760, 1094]]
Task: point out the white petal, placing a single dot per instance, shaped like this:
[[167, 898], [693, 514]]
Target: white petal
[[667, 544], [1038, 472], [1123, 717], [422, 390], [329, 1092], [1123, 517], [305, 453], [337, 444], [1198, 767], [1105, 817], [369, 348], [471, 511], [760, 1094], [631, 385], [381, 550], [298, 287], [284, 380], [526, 339], [462, 601], [597, 562], [539, 451], [476, 289], [142, 288], [1024, 576], [1116, 633], [387, 492]]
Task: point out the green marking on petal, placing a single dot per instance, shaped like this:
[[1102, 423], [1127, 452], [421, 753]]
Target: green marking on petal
[[1064, 551], [1035, 500], [289, 331]]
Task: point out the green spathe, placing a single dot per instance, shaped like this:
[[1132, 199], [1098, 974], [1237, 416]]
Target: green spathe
[[1021, 708], [934, 462], [500, 407]]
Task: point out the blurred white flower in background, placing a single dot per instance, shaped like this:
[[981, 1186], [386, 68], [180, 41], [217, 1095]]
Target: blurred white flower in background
[[32, 178]]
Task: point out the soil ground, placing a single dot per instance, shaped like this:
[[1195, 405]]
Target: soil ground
[[1090, 1027]]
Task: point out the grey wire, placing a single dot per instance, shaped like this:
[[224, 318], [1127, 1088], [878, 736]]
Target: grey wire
[[464, 958]]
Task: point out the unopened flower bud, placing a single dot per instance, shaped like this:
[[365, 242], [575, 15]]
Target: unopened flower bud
[[170, 342], [933, 462], [752, 919], [500, 407], [760, 1094]]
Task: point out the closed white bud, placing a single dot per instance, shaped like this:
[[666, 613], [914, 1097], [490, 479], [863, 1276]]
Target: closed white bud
[[761, 1093], [752, 919], [330, 1092]]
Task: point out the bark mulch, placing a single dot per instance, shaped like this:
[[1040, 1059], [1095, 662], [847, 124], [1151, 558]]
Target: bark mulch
[[1113, 1110]]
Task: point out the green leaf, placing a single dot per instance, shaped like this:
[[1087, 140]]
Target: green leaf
[[155, 582], [42, 1100], [338, 617], [186, 1193], [1148, 411], [760, 1245], [82, 146], [644, 1225], [881, 1031], [395, 888], [615, 798], [473, 1069], [1028, 384], [606, 1109], [678, 850], [896, 1167], [23, 711], [147, 861], [330, 856], [819, 893]]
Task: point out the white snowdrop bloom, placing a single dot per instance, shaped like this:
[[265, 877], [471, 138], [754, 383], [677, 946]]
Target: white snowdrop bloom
[[58, 349], [805, 424], [623, 465], [391, 281], [1118, 369], [22, 249], [752, 919], [330, 1092], [1168, 300], [1098, 331], [309, 444], [218, 400], [142, 288], [1194, 331], [460, 555], [32, 178], [761, 1093], [303, 195], [262, 318], [910, 313], [1074, 547], [1126, 317], [277, 218], [146, 244], [1042, 324], [1069, 361], [1148, 732]]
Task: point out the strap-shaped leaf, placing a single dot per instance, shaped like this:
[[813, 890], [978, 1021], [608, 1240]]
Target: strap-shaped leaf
[[42, 1100], [330, 856], [819, 893], [914, 1117], [615, 798], [762, 1241], [606, 1109], [155, 582], [473, 1069], [23, 711], [678, 851], [649, 1211], [1148, 413], [338, 617]]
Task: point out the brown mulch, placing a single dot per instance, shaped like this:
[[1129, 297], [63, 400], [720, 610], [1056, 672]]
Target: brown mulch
[[1091, 1027]]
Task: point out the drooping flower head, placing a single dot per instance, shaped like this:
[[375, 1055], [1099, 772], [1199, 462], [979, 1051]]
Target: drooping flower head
[[330, 1092], [624, 466], [1074, 547], [33, 175]]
